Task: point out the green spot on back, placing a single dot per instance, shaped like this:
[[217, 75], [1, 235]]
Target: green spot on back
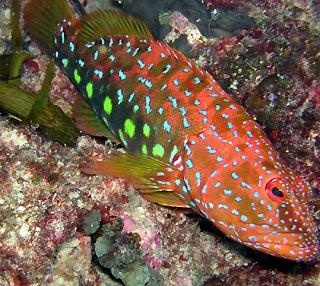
[[144, 149], [122, 138], [173, 152], [129, 127], [146, 130], [158, 150], [77, 77], [65, 62], [135, 108], [107, 105], [89, 89]]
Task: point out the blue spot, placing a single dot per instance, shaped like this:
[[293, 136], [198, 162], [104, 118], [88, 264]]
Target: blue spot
[[227, 192], [174, 102], [185, 70], [178, 182], [196, 102], [198, 177], [120, 96], [229, 124], [256, 195], [231, 106], [219, 159], [252, 237], [261, 202], [213, 95], [211, 151], [71, 44], [111, 71], [203, 112], [243, 157], [249, 133], [213, 127], [260, 215], [235, 134], [112, 58], [110, 42], [96, 54], [186, 124], [183, 111], [186, 146], [209, 88], [160, 174], [150, 66], [148, 108], [217, 184], [201, 135], [184, 189], [148, 84], [135, 52], [166, 126], [196, 80], [193, 204], [160, 110], [187, 93], [189, 164], [56, 54], [131, 97], [164, 87], [234, 175], [62, 37], [162, 55], [211, 205], [189, 64], [224, 115], [122, 75], [213, 174], [120, 42], [234, 163], [269, 207], [238, 199], [175, 82], [237, 149], [141, 64], [245, 185], [204, 189], [235, 212], [149, 49], [218, 107], [166, 70], [243, 218], [98, 73], [221, 206]]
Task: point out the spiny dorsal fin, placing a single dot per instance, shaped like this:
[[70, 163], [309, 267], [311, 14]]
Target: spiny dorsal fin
[[41, 18], [102, 23]]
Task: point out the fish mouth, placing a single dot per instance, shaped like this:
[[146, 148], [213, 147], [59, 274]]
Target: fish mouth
[[286, 245]]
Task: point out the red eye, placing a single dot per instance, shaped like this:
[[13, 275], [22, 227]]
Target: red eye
[[276, 190]]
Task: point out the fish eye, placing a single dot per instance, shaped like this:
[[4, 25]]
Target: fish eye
[[274, 190]]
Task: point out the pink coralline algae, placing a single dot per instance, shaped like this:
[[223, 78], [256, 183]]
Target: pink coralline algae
[[271, 68]]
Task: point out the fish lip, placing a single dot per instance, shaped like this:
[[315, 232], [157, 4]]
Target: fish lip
[[293, 251]]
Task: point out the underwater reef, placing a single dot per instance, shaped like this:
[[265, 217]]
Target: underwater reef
[[59, 226]]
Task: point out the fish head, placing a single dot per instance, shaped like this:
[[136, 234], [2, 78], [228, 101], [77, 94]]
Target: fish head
[[276, 218]]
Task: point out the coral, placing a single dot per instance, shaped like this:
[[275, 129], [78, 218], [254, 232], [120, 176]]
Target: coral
[[122, 254]]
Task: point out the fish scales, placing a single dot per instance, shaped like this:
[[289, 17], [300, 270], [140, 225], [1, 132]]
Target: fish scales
[[188, 143]]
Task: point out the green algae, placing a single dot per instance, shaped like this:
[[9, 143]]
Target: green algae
[[32, 108]]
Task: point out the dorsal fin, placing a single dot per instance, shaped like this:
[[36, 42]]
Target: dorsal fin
[[102, 23]]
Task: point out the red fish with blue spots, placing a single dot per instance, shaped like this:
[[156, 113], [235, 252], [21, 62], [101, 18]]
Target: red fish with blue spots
[[188, 143]]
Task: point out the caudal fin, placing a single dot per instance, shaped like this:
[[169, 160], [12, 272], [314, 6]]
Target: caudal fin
[[41, 18]]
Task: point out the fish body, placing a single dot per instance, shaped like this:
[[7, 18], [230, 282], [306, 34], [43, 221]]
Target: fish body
[[188, 143]]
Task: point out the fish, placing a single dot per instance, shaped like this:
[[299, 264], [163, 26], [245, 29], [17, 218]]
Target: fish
[[187, 143]]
